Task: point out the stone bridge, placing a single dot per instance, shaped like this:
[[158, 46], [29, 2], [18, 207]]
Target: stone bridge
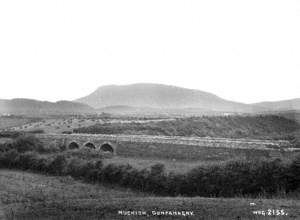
[[137, 145]]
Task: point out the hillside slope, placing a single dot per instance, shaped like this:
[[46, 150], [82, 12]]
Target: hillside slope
[[257, 127]]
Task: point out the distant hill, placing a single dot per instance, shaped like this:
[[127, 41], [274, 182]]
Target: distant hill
[[285, 105], [163, 97], [293, 115], [34, 107]]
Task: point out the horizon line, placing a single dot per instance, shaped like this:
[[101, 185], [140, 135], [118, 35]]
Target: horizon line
[[148, 83]]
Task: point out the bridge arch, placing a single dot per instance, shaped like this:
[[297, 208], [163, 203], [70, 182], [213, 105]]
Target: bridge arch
[[90, 145], [73, 145], [107, 147]]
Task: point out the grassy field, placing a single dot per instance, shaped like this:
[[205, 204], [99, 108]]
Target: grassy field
[[32, 196], [8, 122], [57, 125], [67, 124]]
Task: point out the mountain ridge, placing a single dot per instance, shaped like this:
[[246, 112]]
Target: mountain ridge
[[148, 95], [144, 98]]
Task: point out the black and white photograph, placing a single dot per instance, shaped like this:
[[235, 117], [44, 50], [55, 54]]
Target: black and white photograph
[[141, 110]]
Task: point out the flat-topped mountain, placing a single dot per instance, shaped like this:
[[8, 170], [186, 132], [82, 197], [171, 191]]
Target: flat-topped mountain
[[34, 107], [145, 98], [158, 96]]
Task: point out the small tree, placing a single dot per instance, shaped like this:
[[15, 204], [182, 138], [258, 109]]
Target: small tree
[[26, 143], [58, 165], [294, 175]]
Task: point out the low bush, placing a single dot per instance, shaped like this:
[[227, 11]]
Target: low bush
[[36, 131], [25, 143], [8, 159], [4, 147], [26, 160], [58, 165], [10, 134], [294, 175]]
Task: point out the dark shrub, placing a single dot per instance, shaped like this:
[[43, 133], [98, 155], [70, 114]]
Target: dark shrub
[[126, 178], [87, 169], [294, 175], [93, 175], [5, 147], [269, 176], [157, 169], [156, 179], [73, 167], [175, 184], [40, 164], [62, 147], [99, 164], [58, 165], [79, 167], [10, 134], [8, 159], [110, 173], [27, 143], [26, 160], [36, 131]]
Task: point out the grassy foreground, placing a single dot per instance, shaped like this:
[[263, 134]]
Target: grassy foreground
[[26, 195]]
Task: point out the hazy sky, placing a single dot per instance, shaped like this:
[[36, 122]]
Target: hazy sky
[[245, 51]]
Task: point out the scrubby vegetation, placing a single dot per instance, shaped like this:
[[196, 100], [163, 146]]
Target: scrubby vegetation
[[234, 178], [15, 134], [14, 120], [24, 142], [262, 127], [10, 134]]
